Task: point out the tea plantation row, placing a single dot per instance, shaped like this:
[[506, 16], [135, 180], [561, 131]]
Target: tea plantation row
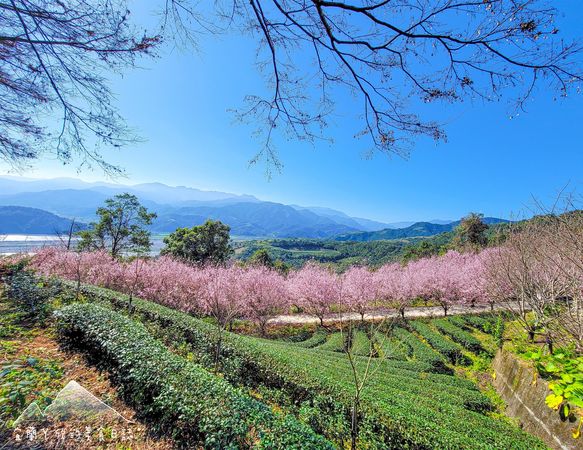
[[405, 403]]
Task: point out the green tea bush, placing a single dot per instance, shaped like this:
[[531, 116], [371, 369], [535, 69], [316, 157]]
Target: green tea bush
[[447, 348], [465, 339], [390, 347], [404, 405], [336, 342], [179, 398], [422, 352], [31, 294], [459, 321], [361, 344], [481, 323], [318, 338]]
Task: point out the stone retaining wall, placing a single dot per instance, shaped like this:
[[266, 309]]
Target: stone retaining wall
[[525, 392]]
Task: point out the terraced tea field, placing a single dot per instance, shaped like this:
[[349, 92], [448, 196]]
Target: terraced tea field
[[411, 399]]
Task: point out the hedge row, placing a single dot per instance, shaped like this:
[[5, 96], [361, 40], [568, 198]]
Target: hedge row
[[318, 338], [460, 322], [422, 352], [392, 414], [390, 347], [447, 348], [334, 343], [465, 339], [481, 323], [180, 398], [361, 344]]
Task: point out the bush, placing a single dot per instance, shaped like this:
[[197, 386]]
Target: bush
[[179, 398], [459, 321], [390, 347], [460, 336], [422, 352], [481, 323], [403, 406], [450, 350], [336, 342], [318, 338], [31, 295]]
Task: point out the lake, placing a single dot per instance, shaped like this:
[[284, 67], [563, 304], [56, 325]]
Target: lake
[[31, 243]]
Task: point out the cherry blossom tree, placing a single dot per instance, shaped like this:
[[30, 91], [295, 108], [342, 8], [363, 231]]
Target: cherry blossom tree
[[264, 293], [316, 289], [395, 286], [358, 290], [222, 298]]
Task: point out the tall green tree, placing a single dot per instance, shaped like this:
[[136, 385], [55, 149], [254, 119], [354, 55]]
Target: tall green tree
[[261, 257], [471, 233], [423, 249], [122, 227], [201, 244]]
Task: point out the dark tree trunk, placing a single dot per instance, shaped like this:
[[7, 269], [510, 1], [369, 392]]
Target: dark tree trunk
[[354, 425]]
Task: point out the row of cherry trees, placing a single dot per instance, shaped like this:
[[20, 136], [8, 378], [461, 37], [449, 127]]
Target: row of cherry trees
[[258, 293]]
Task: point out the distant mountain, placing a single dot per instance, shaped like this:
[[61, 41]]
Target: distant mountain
[[180, 206], [264, 219], [344, 219], [418, 229], [22, 220], [176, 207], [155, 192]]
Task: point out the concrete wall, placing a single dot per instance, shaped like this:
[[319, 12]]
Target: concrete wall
[[525, 392]]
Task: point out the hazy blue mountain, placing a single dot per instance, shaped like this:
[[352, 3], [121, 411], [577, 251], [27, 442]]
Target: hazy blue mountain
[[418, 229], [344, 219], [69, 203], [180, 206], [23, 220], [155, 192], [265, 219]]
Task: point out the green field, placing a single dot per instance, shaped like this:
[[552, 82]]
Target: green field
[[411, 400]]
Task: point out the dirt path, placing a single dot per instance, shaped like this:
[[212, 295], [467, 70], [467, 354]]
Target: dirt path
[[410, 313]]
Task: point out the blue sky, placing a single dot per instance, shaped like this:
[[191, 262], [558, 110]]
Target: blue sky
[[180, 104]]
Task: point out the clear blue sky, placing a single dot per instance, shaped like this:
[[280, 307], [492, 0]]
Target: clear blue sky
[[179, 103]]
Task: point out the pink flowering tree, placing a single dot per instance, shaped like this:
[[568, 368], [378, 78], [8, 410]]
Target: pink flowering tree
[[394, 286], [222, 298], [316, 289], [264, 295], [358, 290]]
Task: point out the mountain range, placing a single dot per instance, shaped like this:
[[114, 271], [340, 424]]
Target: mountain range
[[45, 205], [418, 229]]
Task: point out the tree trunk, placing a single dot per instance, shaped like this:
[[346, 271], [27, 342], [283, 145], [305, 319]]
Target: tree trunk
[[354, 424], [549, 342], [218, 351]]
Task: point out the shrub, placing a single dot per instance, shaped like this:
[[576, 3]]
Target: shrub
[[403, 406], [460, 336], [390, 347], [178, 397], [335, 342], [318, 338], [422, 352], [31, 295], [459, 321], [447, 348]]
